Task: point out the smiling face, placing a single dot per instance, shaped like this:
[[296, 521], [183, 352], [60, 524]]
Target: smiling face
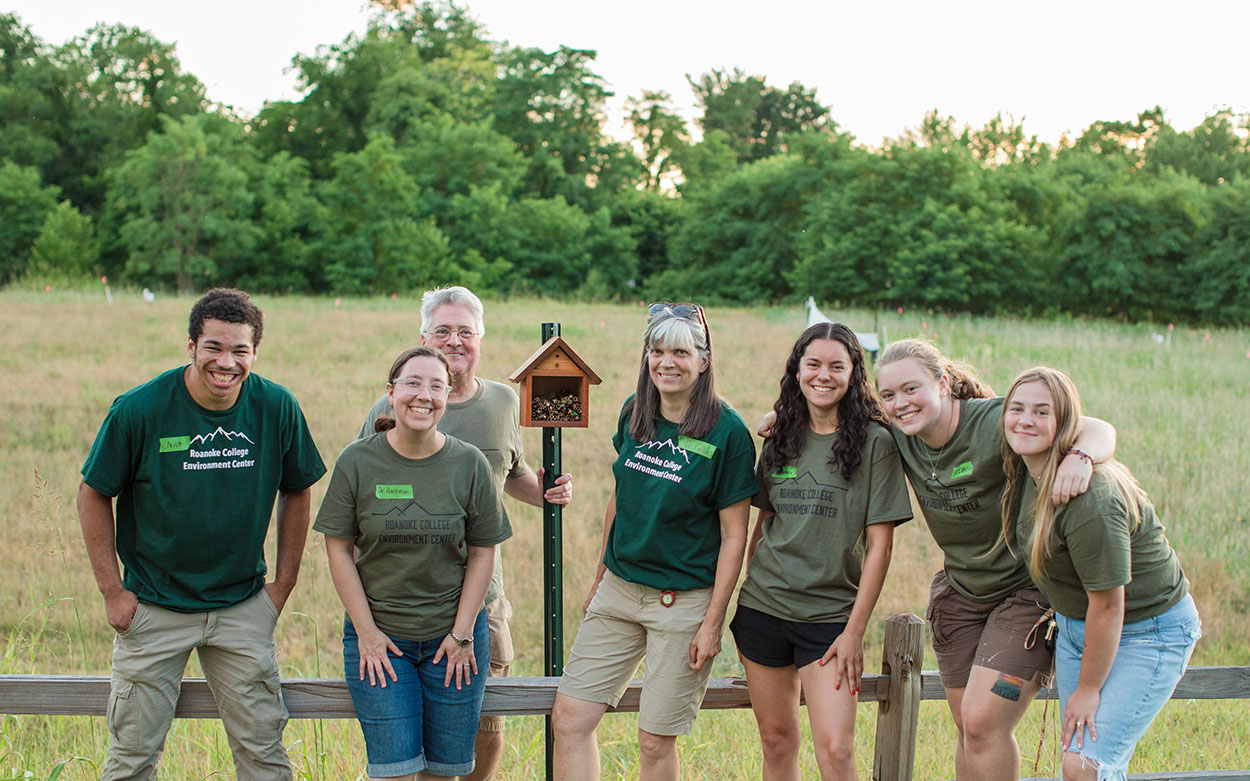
[[1029, 421], [824, 373], [463, 350], [912, 399], [674, 369], [418, 394], [221, 359]]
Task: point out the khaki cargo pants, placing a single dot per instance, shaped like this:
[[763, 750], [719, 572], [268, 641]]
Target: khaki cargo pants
[[236, 650]]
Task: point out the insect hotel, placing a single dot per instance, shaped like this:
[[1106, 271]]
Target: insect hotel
[[555, 387]]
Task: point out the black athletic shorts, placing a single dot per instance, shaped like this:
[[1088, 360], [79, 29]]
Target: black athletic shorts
[[775, 642]]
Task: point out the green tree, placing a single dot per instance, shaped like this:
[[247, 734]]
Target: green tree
[[182, 203], [759, 120], [661, 134], [1218, 273], [285, 211], [66, 246], [1125, 252], [1214, 152], [24, 206], [368, 237]]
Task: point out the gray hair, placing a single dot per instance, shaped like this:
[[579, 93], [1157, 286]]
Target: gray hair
[[666, 329], [455, 295]]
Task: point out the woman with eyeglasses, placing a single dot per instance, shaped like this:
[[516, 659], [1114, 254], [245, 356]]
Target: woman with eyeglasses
[[832, 491], [987, 621], [422, 510], [1127, 625], [673, 539]]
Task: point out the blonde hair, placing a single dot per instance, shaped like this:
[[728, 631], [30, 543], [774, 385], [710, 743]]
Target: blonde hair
[[1066, 412], [964, 382], [666, 329]]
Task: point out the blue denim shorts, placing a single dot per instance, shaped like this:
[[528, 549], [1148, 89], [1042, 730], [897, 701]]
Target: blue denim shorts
[[1150, 661], [416, 723]]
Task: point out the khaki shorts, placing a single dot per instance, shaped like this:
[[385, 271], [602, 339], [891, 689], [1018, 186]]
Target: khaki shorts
[[626, 621], [498, 613], [986, 634]]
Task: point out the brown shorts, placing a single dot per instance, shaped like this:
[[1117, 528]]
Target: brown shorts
[[987, 634], [498, 612]]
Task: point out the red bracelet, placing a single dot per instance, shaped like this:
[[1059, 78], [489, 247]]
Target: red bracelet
[[1080, 454]]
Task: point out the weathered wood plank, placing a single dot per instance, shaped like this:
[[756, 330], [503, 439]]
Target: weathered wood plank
[[1199, 683], [323, 698], [87, 695], [1182, 775]]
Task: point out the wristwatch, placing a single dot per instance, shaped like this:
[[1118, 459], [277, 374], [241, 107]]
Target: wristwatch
[[461, 641]]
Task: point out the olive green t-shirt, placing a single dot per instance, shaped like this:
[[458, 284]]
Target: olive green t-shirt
[[488, 421], [669, 492], [809, 560], [411, 520], [959, 487], [1094, 547]]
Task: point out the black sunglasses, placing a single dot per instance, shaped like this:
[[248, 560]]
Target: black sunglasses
[[683, 311]]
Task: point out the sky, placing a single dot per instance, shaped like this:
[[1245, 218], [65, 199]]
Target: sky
[[1057, 67]]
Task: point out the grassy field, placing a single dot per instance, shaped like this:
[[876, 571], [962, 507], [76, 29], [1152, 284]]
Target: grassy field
[[1180, 412]]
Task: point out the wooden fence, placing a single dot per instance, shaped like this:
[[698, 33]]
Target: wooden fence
[[898, 691]]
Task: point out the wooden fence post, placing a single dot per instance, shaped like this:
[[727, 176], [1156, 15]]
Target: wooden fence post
[[895, 755]]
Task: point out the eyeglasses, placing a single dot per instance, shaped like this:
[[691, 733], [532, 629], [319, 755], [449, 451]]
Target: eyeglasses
[[443, 333], [411, 386], [683, 311]]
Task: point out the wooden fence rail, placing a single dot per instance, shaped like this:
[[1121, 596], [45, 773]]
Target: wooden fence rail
[[898, 691]]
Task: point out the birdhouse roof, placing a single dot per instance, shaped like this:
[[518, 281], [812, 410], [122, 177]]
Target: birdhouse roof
[[553, 351]]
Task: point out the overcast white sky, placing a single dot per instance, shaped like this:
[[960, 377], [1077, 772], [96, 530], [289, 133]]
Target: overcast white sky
[[880, 65]]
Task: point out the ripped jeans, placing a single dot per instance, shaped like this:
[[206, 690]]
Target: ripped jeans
[[1150, 661]]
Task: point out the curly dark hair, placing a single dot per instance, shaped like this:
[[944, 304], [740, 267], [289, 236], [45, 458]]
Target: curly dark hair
[[856, 411], [229, 306]]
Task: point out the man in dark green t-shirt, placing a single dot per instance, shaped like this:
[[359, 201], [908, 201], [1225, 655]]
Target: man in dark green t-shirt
[[195, 459]]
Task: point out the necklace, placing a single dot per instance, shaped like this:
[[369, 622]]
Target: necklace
[[942, 449]]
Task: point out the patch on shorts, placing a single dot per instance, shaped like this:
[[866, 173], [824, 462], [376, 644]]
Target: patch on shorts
[[1008, 687]]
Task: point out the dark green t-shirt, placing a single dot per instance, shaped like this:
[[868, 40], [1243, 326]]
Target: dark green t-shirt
[[669, 492], [195, 487], [959, 487], [411, 520], [488, 421], [808, 563], [1093, 548]]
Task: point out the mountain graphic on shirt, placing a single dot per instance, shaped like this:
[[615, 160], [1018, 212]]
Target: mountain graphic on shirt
[[229, 435], [812, 478], [652, 445], [402, 511]]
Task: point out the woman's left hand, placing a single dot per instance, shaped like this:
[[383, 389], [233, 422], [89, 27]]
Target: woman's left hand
[[1078, 716], [847, 654], [706, 645], [461, 662]]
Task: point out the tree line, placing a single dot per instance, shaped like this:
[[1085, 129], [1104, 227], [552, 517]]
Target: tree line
[[422, 152]]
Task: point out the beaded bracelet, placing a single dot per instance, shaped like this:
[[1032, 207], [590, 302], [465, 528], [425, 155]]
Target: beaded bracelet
[[1080, 454]]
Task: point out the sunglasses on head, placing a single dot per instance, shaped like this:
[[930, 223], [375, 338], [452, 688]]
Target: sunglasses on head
[[683, 311]]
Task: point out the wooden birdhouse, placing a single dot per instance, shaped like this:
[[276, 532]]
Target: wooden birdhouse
[[555, 387]]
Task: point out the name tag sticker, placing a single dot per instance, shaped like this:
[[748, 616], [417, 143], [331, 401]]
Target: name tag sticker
[[705, 449], [787, 473], [394, 491], [175, 444], [963, 470]]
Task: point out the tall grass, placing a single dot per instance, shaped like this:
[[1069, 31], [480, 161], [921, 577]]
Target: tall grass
[[1179, 410]]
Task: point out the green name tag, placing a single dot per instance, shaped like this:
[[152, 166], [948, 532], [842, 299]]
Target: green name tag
[[963, 470], [787, 472], [174, 444], [705, 449], [394, 491]]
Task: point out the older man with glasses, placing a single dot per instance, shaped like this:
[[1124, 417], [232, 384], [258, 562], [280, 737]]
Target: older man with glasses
[[483, 413]]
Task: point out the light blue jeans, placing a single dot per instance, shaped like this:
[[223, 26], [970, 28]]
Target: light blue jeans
[[1150, 661]]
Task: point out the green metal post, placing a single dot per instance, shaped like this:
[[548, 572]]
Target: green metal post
[[553, 560]]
